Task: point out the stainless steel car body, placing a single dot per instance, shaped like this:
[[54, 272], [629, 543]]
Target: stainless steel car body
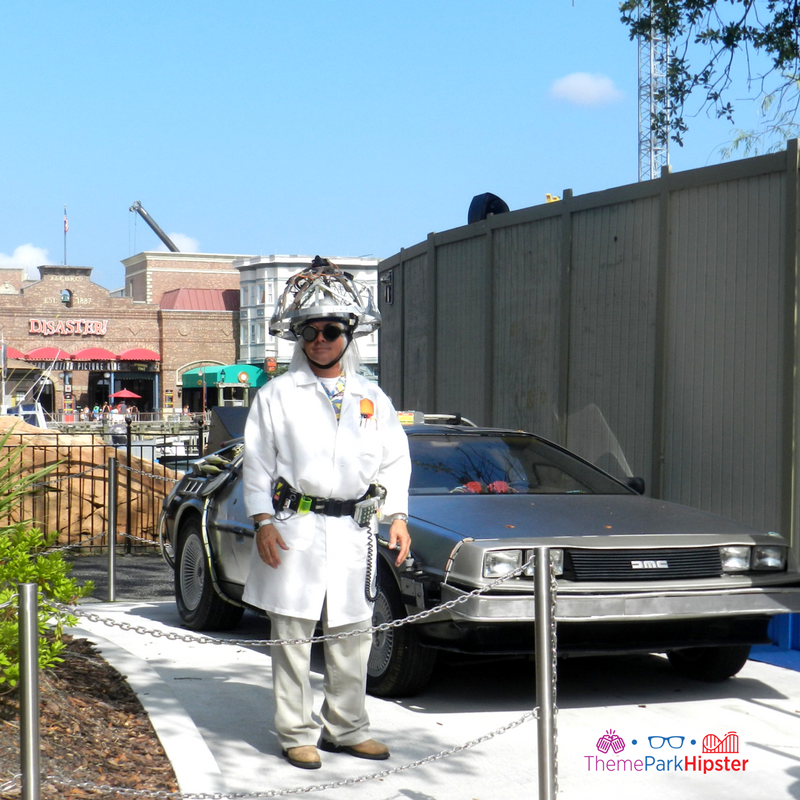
[[638, 573]]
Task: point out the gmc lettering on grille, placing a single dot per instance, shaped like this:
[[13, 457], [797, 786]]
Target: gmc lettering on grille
[[660, 564]]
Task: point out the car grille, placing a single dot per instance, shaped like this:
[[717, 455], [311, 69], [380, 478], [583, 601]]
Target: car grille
[[658, 564]]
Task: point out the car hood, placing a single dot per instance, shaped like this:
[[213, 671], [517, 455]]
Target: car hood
[[522, 516]]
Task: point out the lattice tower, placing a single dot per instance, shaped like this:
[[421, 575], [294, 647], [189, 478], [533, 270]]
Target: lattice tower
[[653, 100]]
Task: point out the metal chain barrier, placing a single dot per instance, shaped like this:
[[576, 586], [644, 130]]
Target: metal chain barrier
[[382, 628], [74, 545], [134, 538], [84, 542], [318, 787], [72, 476], [144, 474], [171, 636]]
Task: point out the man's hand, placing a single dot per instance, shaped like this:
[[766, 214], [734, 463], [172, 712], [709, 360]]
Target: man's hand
[[399, 538], [269, 543]]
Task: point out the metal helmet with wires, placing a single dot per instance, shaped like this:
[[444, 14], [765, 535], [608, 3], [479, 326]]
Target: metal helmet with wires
[[323, 291]]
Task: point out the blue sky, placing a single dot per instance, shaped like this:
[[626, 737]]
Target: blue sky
[[350, 128]]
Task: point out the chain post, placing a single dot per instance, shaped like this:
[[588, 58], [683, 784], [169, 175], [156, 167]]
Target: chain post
[[129, 503], [200, 429], [112, 528], [29, 691], [545, 685]]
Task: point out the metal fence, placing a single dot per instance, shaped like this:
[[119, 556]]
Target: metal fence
[[72, 498]]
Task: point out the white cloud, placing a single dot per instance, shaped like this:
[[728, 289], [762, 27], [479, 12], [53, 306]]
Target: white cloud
[[583, 89], [26, 257], [184, 243]]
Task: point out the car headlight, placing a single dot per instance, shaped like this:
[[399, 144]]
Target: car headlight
[[735, 558], [497, 563], [556, 561], [762, 557], [769, 556]]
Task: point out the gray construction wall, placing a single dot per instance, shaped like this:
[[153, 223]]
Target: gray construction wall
[[651, 328]]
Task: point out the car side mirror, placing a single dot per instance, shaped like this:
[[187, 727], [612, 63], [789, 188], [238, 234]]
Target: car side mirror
[[637, 484]]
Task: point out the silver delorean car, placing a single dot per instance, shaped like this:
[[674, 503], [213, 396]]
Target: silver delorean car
[[632, 574]]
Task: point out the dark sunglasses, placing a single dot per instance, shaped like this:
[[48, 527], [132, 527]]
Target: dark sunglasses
[[330, 333]]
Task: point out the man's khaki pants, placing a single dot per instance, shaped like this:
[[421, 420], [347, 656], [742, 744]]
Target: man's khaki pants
[[343, 713]]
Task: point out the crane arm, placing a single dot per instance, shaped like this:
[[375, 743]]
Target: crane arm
[[139, 209]]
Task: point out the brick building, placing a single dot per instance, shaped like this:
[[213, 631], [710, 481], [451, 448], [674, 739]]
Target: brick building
[[72, 343], [149, 275]]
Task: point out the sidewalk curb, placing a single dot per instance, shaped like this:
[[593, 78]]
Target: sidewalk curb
[[196, 769]]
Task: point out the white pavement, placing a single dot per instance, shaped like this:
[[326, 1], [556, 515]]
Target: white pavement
[[212, 707]]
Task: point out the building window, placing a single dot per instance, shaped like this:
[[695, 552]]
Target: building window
[[244, 338]]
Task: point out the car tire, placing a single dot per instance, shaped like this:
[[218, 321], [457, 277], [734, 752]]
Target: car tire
[[399, 666], [710, 664], [199, 605]]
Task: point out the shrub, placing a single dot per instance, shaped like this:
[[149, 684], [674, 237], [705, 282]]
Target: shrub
[[24, 558]]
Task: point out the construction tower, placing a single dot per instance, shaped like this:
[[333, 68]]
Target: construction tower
[[653, 99]]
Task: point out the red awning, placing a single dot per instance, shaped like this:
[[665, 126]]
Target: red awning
[[48, 354], [12, 352], [139, 354], [94, 354]]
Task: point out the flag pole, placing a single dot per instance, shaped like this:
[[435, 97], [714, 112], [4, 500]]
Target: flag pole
[[66, 228]]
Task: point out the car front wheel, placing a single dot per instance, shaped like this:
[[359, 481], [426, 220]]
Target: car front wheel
[[710, 664], [199, 605], [399, 666]]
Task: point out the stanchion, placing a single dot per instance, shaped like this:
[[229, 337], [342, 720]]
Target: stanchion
[[200, 427], [111, 503], [128, 484], [29, 691], [545, 690]]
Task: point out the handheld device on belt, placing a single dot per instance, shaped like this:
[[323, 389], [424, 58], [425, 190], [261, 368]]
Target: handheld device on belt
[[286, 498], [369, 506]]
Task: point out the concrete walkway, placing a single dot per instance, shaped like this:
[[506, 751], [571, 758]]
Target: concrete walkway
[[212, 708]]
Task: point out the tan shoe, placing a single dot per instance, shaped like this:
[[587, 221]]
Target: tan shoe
[[376, 751], [304, 757]]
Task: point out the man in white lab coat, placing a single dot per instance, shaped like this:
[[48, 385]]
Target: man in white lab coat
[[318, 440]]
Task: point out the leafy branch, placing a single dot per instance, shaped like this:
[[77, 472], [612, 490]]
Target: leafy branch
[[717, 34]]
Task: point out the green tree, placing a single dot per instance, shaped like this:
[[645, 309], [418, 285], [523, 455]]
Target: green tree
[[707, 39]]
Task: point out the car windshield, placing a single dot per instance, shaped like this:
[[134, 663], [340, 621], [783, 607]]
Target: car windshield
[[500, 464]]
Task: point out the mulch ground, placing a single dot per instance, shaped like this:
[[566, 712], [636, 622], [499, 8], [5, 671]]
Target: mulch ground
[[93, 730]]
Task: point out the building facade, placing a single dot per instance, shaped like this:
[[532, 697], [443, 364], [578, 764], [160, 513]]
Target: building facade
[[71, 343], [149, 275]]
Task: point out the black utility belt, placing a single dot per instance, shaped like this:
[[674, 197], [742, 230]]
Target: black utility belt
[[287, 498]]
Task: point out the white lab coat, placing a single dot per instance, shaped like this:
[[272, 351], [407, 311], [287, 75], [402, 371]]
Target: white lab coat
[[292, 432]]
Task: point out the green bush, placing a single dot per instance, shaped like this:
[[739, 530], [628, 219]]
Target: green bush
[[24, 558]]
